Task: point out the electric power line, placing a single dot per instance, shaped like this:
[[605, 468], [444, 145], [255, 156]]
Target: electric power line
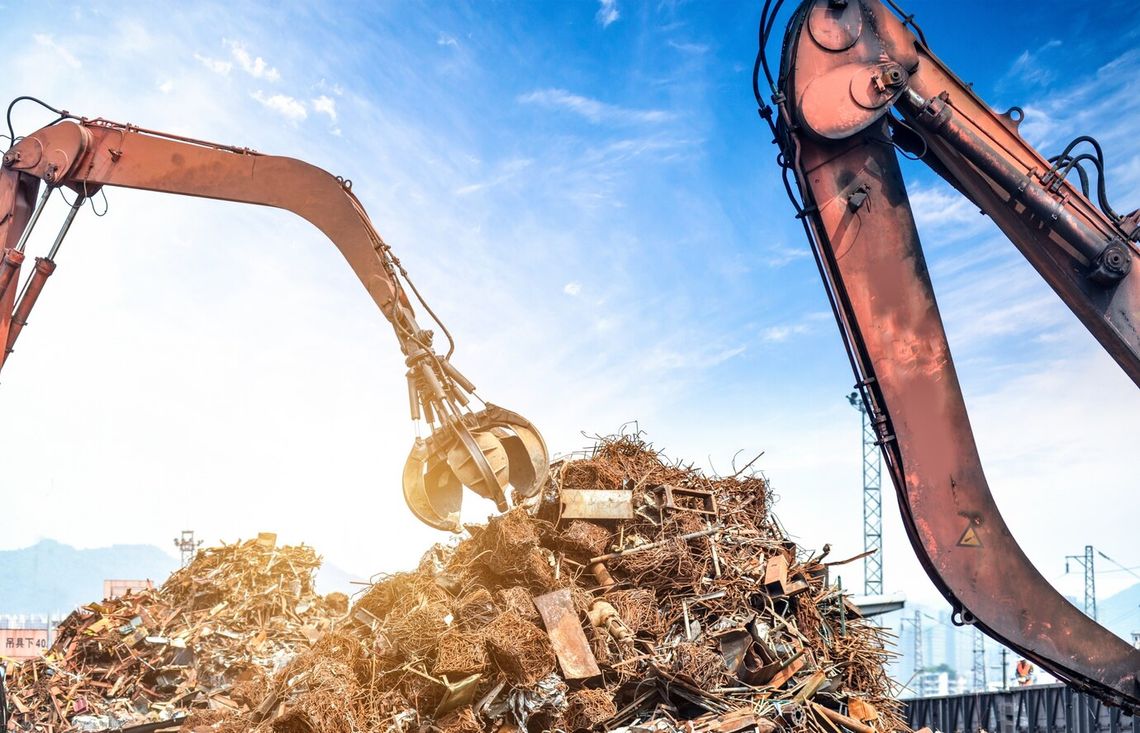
[[1121, 570], [1130, 571]]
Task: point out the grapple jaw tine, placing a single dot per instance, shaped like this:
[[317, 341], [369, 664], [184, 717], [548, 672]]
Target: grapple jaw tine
[[431, 490], [486, 452], [529, 462]]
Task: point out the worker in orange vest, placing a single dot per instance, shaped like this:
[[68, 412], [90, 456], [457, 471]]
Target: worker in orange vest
[[1024, 672]]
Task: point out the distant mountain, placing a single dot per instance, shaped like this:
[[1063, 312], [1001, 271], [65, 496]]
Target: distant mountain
[[331, 579], [53, 578], [1120, 613]]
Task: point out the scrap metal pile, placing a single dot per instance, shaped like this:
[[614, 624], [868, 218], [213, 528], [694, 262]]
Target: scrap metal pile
[[637, 595], [211, 637]]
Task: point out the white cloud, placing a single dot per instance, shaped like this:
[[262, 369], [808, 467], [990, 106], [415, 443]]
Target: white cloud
[[166, 87], [65, 55], [506, 171], [217, 66], [284, 105], [943, 215], [324, 86], [1100, 103], [664, 358], [778, 334], [1029, 68], [572, 288], [446, 39], [780, 255], [592, 109], [326, 106], [254, 66], [696, 49], [1039, 125], [607, 13], [606, 323]]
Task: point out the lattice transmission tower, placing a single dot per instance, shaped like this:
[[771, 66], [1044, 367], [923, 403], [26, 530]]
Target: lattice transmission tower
[[187, 545], [979, 676], [872, 502], [1086, 562]]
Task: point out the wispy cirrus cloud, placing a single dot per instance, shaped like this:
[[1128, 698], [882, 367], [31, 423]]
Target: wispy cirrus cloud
[[944, 216], [218, 66], [505, 171], [593, 110], [663, 358], [778, 334], [696, 49], [288, 107], [325, 105], [47, 41], [1032, 67], [1102, 103], [255, 66], [608, 13], [804, 324], [780, 255]]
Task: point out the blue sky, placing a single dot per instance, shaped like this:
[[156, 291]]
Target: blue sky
[[585, 194]]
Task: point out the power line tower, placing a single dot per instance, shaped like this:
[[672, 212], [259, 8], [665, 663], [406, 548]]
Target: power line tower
[[1086, 562], [187, 545], [979, 676], [872, 502]]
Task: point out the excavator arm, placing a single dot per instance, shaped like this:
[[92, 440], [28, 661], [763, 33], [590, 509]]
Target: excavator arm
[[855, 83], [487, 450]]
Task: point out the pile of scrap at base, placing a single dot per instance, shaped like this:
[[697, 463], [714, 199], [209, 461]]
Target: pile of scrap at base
[[209, 639], [636, 594]]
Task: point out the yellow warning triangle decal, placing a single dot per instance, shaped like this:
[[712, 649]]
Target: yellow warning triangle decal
[[970, 538]]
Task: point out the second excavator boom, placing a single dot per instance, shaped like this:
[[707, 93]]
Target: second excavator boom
[[855, 83]]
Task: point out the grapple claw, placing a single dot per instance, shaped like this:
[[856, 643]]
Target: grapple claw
[[431, 490], [486, 451]]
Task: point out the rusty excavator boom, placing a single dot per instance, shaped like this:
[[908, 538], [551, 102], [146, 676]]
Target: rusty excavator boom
[[490, 451], [855, 83]]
